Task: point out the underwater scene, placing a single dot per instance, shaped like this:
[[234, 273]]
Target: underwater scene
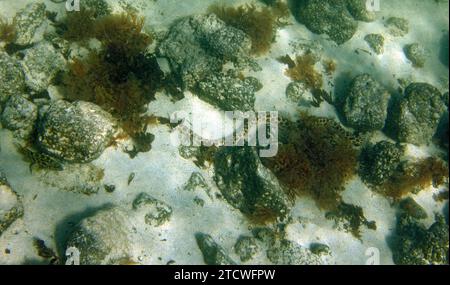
[[237, 132]]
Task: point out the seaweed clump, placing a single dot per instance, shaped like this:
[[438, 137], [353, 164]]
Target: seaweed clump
[[302, 69], [258, 23], [78, 25], [7, 31], [121, 77], [316, 157]]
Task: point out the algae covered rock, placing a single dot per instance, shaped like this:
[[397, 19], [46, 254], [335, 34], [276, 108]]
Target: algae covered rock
[[416, 54], [365, 106], [41, 64], [412, 208], [286, 252], [416, 245], [11, 207], [12, 77], [213, 253], [102, 239], [416, 116], [376, 42], [328, 17], [75, 132], [27, 22], [249, 186], [398, 27], [19, 115], [156, 212], [246, 247], [379, 162], [358, 9], [199, 45]]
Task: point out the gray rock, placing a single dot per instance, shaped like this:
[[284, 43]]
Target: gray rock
[[247, 185], [359, 11], [416, 54], [12, 77], [19, 115], [27, 22], [156, 212], [213, 254], [320, 249], [199, 45], [228, 92], [41, 64], [246, 247], [398, 27], [416, 245], [379, 162], [330, 17], [376, 42], [416, 117], [75, 132], [412, 208], [103, 239], [286, 252], [366, 103], [11, 207]]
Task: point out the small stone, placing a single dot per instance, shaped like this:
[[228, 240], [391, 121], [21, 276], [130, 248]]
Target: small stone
[[376, 42], [157, 212], [12, 77], [75, 132], [299, 93], [41, 64], [398, 27], [199, 201], [416, 54], [412, 208], [320, 249], [27, 22], [246, 248], [19, 115], [213, 254]]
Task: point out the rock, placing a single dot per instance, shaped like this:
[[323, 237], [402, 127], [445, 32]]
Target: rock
[[376, 42], [75, 132], [197, 181], [328, 17], [28, 21], [365, 106], [246, 247], [12, 77], [398, 27], [40, 65], [103, 239], [286, 252], [11, 207], [416, 245], [410, 207], [213, 254], [298, 92], [379, 162], [157, 212], [199, 45], [19, 115], [359, 11], [416, 54], [247, 185], [229, 93], [416, 116], [320, 249]]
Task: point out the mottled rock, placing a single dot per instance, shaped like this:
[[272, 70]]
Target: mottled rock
[[199, 45], [330, 17], [379, 162], [286, 252], [229, 93], [27, 22], [320, 249], [398, 27], [156, 212], [416, 245], [41, 64], [75, 132], [376, 42], [365, 106], [11, 207], [246, 247], [247, 185], [412, 208], [298, 92], [358, 9], [103, 239], [213, 254], [416, 116], [12, 77], [19, 115], [416, 54]]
